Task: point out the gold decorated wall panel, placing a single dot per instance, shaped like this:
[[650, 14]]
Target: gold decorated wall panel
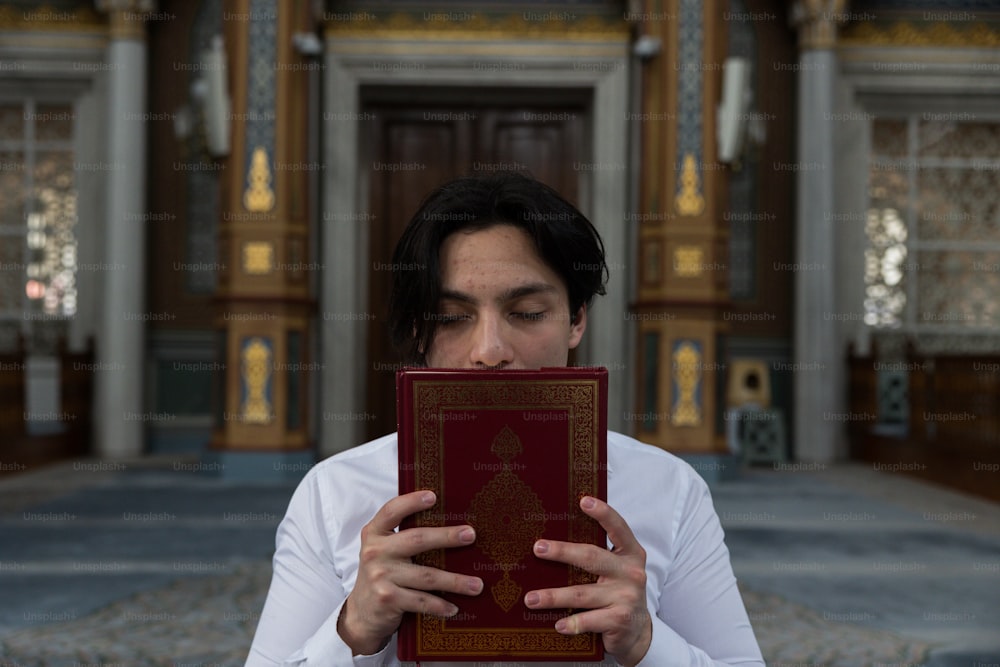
[[682, 252]]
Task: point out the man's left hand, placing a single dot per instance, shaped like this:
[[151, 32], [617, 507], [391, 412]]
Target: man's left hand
[[616, 602]]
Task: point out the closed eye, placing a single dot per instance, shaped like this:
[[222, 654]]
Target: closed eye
[[451, 319], [530, 317]]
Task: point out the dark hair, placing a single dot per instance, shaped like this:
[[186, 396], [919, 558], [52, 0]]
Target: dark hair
[[565, 240]]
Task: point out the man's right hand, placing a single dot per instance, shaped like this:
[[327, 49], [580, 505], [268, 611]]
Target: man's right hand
[[389, 583]]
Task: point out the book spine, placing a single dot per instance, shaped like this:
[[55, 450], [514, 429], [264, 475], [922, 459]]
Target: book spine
[[603, 442], [404, 432], [406, 638]]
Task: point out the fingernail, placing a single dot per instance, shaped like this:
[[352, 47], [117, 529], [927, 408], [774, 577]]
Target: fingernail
[[562, 625], [541, 547], [428, 498], [467, 535], [588, 503], [452, 611], [532, 598], [475, 585]]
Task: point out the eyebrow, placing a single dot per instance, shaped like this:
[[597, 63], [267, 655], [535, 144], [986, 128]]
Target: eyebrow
[[509, 295]]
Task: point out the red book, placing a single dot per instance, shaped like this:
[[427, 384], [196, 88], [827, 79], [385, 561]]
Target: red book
[[510, 453]]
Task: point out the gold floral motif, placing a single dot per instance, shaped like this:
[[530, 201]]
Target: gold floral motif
[[690, 201], [907, 33], [256, 357], [687, 376], [519, 514], [862, 33], [506, 592], [688, 261], [980, 34], [506, 445], [49, 18], [258, 257], [478, 26], [259, 197], [932, 33]]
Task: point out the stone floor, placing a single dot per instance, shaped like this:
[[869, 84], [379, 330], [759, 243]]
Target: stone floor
[[155, 565]]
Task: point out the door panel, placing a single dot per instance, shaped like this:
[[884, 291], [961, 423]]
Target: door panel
[[548, 149]]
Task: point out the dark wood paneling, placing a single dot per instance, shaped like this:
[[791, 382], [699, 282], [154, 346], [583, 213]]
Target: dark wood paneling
[[954, 428], [20, 451], [543, 147], [167, 194], [775, 100], [12, 394], [76, 387]]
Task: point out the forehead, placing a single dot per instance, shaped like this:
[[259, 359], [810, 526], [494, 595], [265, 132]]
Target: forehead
[[500, 254], [483, 244]]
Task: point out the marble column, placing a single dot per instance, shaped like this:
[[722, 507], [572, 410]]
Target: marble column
[[120, 416], [818, 356]]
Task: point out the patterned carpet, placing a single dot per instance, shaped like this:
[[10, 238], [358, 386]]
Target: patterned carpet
[[210, 621]]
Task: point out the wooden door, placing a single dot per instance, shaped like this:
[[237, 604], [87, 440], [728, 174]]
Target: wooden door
[[417, 145]]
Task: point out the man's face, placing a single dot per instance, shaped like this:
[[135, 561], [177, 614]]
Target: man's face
[[501, 305]]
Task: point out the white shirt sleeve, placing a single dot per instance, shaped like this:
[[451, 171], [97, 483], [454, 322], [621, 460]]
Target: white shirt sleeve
[[298, 625], [701, 620]]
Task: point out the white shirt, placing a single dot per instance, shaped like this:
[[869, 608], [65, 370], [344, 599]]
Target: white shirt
[[697, 612]]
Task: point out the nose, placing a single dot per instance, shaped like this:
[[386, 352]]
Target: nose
[[491, 346]]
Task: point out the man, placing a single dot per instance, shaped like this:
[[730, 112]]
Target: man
[[511, 270]]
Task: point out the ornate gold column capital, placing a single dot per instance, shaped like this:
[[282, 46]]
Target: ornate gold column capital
[[127, 18], [817, 22]]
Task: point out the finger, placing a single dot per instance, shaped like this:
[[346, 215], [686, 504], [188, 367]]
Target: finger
[[412, 541], [390, 515], [587, 557], [420, 577], [594, 620], [614, 525], [589, 596], [422, 602]]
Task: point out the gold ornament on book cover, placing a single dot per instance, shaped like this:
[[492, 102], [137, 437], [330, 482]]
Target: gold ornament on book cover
[[520, 518]]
